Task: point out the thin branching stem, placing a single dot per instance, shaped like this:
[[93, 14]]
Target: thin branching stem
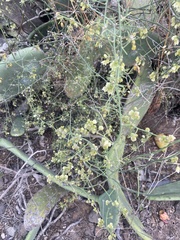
[[46, 172]]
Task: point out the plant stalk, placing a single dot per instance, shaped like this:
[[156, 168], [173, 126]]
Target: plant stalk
[[46, 172]]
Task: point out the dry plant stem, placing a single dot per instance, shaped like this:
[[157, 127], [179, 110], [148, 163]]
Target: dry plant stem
[[12, 185], [46, 172], [70, 226], [8, 189], [50, 222], [7, 170]]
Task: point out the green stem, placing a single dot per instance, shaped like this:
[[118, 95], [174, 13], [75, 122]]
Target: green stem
[[46, 172], [115, 155], [114, 158]]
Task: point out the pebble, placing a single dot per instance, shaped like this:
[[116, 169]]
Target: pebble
[[93, 217], [11, 231], [3, 235]]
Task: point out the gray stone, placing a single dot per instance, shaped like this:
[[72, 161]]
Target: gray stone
[[3, 236], [93, 217], [11, 231]]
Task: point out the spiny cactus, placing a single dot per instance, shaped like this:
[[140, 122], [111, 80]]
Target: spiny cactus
[[80, 72], [41, 204], [20, 70]]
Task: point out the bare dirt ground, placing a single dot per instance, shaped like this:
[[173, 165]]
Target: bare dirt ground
[[78, 221]]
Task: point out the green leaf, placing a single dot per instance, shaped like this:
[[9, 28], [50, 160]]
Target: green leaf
[[41, 204], [108, 210], [167, 192], [20, 70]]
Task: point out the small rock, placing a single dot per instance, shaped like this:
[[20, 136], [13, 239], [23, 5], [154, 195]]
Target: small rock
[[93, 217], [3, 235], [11, 231]]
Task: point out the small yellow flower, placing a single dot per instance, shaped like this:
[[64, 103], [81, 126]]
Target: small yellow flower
[[153, 76], [174, 68], [178, 169], [175, 39], [162, 140], [109, 88], [133, 45], [143, 33], [134, 114], [83, 6], [174, 159], [101, 128], [105, 143], [176, 5], [177, 52], [147, 129], [136, 68], [100, 222], [133, 137]]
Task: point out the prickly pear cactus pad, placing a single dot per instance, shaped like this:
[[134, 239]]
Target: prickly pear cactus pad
[[20, 70]]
